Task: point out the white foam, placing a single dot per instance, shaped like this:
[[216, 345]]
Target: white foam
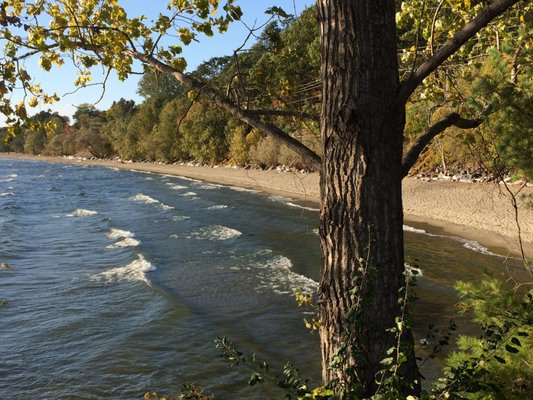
[[408, 228], [175, 186], [178, 218], [302, 207], [143, 198], [7, 194], [126, 242], [316, 231], [134, 271], [189, 179], [119, 233], [241, 189], [80, 212], [279, 199], [281, 279], [475, 246], [188, 194], [217, 207], [209, 186], [126, 239], [288, 201], [216, 232]]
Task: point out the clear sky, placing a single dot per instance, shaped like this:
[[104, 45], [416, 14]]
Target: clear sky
[[61, 80]]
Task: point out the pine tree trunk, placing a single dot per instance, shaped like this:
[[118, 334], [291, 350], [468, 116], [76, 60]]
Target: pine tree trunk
[[361, 211]]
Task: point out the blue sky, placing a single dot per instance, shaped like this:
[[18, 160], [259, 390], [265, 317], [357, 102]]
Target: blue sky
[[61, 80]]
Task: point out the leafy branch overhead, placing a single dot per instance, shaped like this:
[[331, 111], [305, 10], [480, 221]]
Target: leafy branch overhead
[[91, 33]]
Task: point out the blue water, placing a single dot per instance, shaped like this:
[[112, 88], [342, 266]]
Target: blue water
[[120, 281]]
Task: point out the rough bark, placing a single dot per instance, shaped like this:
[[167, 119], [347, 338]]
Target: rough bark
[[361, 210]]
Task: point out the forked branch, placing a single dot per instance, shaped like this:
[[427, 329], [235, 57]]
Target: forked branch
[[416, 149]]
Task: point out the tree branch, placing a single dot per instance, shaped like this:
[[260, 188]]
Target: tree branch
[[493, 10], [284, 113], [416, 149], [213, 95]]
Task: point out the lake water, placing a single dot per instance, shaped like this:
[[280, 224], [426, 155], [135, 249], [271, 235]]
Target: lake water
[[120, 281]]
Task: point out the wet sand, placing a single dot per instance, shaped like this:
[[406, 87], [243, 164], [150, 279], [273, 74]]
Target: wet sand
[[475, 211]]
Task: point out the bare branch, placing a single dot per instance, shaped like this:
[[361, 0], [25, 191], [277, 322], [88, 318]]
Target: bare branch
[[493, 10], [416, 149]]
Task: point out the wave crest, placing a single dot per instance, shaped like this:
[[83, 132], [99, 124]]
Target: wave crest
[[143, 198], [135, 271], [216, 232], [81, 212]]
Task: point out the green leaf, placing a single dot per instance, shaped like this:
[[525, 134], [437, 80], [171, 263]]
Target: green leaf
[[387, 361], [277, 11]]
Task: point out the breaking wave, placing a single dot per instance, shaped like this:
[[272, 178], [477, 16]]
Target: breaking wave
[[280, 277], [143, 198], [215, 232], [217, 207], [188, 194], [134, 271], [175, 186], [80, 212], [126, 239]]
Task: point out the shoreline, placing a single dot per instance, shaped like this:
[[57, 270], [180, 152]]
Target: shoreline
[[474, 211]]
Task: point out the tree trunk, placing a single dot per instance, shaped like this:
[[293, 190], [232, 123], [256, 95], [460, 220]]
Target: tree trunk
[[361, 211]]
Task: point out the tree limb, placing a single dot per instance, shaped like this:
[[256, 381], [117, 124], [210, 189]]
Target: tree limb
[[284, 113], [416, 149], [213, 95], [493, 10]]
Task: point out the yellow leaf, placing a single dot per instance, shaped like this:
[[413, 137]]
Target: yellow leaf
[[33, 102]]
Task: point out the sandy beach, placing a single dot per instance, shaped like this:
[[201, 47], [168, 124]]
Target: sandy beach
[[475, 211]]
